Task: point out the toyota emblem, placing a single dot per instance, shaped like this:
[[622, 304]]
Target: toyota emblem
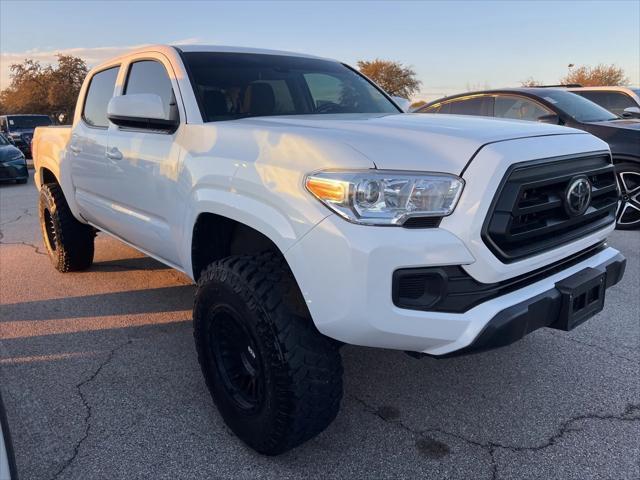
[[578, 196]]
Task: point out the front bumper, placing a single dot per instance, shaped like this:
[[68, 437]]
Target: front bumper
[[345, 274], [543, 310], [13, 172]]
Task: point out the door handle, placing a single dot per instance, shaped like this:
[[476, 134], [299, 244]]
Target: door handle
[[74, 149], [114, 154]]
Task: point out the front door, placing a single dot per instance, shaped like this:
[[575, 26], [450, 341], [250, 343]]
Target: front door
[[149, 163]]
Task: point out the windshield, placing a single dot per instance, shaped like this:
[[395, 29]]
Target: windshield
[[240, 85], [578, 107], [27, 121]]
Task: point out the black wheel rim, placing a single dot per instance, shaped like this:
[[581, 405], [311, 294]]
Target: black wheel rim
[[48, 227], [236, 359], [628, 214]]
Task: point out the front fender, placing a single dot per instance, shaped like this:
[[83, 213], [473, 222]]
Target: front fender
[[283, 231]]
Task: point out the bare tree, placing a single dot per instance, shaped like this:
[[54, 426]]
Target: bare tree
[[392, 77], [600, 75], [530, 82]]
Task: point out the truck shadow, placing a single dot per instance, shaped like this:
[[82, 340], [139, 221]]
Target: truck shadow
[[152, 300]]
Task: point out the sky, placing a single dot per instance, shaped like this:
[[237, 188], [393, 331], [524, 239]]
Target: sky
[[453, 46]]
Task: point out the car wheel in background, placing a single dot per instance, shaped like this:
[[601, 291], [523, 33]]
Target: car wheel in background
[[70, 244], [628, 215]]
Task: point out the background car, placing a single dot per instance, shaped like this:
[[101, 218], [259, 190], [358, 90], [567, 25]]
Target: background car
[[13, 165], [559, 106], [623, 101], [8, 470], [20, 129]]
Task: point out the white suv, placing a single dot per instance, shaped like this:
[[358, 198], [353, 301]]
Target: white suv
[[312, 212]]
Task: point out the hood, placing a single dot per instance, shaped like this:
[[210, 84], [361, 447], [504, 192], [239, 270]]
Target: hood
[[8, 151], [411, 141]]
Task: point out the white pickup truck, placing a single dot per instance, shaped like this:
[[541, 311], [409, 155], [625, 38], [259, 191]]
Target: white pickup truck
[[311, 211]]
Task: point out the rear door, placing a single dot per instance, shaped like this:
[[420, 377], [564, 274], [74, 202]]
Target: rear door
[[94, 178], [148, 165]]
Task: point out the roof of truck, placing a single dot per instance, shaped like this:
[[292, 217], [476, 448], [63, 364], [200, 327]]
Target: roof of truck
[[171, 49], [231, 49]]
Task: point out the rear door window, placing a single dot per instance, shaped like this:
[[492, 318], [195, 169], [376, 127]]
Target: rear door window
[[481, 106], [98, 95]]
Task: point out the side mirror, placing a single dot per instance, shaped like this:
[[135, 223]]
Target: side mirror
[[551, 118], [142, 110], [403, 103], [631, 112]]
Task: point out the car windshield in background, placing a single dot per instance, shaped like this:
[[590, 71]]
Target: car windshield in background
[[239, 85], [578, 107], [28, 121]]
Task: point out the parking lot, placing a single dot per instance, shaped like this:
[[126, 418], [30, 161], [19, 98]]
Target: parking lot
[[100, 378]]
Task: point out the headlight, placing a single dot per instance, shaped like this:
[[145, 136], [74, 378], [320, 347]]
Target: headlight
[[385, 197]]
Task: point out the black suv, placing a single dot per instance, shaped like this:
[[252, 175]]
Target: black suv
[[19, 129], [561, 107]]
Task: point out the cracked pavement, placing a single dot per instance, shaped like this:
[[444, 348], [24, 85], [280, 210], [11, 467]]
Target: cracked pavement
[[100, 378]]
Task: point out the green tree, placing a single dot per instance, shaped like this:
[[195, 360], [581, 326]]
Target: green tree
[[393, 77], [600, 75]]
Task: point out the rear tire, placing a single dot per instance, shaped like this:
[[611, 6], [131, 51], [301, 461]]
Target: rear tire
[[628, 214], [70, 243], [275, 379]]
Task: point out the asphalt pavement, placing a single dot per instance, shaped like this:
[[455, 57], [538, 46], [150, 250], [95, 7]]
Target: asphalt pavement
[[99, 375]]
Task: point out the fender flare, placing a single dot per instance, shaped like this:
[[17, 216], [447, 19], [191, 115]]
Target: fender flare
[[248, 211]]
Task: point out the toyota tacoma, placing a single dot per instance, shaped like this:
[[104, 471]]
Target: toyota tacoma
[[311, 212]]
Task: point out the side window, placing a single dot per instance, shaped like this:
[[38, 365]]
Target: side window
[[618, 101], [482, 106], [615, 102], [149, 76], [98, 95], [519, 108]]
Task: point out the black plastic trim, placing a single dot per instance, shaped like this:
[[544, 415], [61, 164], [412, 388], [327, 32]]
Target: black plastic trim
[[463, 292], [543, 310]]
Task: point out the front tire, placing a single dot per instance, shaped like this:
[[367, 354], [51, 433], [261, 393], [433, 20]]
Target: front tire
[[70, 243], [628, 214], [275, 379]]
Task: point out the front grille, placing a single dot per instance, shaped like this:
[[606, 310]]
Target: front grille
[[529, 215]]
